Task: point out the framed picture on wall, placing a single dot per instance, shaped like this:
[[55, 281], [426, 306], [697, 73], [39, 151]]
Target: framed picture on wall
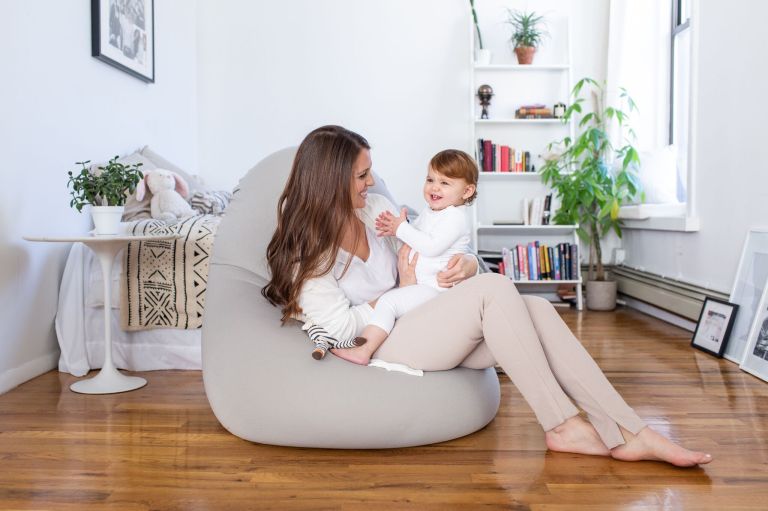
[[714, 326], [756, 355], [123, 35], [751, 277]]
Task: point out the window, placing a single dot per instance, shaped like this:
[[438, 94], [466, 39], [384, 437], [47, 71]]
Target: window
[[679, 90]]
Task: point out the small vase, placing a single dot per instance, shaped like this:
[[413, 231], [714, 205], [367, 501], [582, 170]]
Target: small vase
[[601, 295], [484, 57], [525, 54], [106, 219]]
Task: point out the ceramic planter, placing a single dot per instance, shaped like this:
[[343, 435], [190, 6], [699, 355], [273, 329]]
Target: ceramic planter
[[106, 219], [601, 295], [525, 54]]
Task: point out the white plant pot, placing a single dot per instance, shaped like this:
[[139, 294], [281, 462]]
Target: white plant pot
[[484, 57], [106, 219]]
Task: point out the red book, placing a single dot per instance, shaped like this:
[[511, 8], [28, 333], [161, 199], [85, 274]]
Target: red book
[[487, 156], [502, 270], [505, 158]]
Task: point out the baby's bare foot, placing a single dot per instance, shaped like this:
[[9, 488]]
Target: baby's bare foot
[[359, 355], [650, 445], [578, 436]]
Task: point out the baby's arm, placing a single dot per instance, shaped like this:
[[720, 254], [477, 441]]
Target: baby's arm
[[431, 244]]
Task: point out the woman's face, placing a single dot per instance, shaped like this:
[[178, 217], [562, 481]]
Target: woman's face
[[362, 179]]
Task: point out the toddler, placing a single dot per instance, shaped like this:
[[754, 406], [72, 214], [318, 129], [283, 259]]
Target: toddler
[[440, 232]]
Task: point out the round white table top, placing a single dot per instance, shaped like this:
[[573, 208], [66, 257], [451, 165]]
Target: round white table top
[[89, 238]]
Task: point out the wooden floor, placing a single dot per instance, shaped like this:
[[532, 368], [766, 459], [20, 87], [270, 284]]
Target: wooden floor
[[161, 447]]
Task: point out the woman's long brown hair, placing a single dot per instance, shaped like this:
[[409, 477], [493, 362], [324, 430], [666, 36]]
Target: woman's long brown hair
[[312, 212]]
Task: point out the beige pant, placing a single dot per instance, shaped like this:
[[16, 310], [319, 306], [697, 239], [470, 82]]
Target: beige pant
[[484, 321]]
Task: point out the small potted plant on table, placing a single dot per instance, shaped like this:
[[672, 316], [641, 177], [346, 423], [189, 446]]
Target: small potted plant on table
[[593, 179], [527, 33], [105, 190]]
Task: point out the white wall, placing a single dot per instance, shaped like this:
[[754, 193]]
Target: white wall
[[731, 175], [59, 105], [395, 71]]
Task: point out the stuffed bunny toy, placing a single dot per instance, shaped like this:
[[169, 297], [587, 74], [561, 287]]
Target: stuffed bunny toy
[[168, 192]]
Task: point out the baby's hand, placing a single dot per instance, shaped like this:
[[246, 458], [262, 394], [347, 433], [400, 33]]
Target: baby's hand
[[387, 223]]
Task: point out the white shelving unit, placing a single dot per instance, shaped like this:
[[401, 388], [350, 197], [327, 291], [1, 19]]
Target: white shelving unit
[[500, 195]]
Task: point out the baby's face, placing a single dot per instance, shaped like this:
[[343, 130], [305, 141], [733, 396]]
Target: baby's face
[[441, 191]]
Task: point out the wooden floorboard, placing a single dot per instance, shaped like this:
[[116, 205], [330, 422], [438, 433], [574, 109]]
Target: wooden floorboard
[[160, 447]]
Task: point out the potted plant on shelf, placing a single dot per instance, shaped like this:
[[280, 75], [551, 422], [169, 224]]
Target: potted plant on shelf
[[527, 33], [483, 54], [105, 190], [592, 178]]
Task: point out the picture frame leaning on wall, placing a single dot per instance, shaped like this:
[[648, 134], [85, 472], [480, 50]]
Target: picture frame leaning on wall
[[123, 35], [755, 359], [748, 286], [714, 326]]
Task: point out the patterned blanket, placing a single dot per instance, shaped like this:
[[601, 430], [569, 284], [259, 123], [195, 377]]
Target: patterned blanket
[[163, 282]]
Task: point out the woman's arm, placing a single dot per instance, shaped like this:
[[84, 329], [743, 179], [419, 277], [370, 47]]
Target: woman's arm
[[324, 303], [460, 267]]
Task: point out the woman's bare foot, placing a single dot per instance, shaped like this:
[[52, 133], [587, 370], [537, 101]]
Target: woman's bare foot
[[576, 435], [651, 445]]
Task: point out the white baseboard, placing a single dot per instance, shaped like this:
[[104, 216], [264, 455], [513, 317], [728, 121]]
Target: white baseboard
[[14, 377], [661, 314]]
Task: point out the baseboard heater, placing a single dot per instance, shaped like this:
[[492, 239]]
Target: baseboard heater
[[675, 296]]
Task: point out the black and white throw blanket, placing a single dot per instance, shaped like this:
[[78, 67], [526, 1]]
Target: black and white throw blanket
[[163, 282]]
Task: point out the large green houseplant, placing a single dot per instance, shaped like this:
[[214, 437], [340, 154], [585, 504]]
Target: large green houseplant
[[105, 189], [593, 176]]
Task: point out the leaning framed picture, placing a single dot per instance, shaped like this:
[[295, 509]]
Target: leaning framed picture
[[123, 35], [755, 359], [751, 277], [714, 326]]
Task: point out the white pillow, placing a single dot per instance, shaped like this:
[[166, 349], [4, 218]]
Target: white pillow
[[658, 175]]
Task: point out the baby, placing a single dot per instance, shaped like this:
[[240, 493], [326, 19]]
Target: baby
[[440, 232]]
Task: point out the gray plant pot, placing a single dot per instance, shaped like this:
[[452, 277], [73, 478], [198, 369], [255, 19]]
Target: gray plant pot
[[601, 295]]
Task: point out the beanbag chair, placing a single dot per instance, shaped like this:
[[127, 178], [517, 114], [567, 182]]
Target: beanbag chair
[[264, 386]]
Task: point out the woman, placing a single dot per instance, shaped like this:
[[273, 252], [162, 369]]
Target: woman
[[328, 268]]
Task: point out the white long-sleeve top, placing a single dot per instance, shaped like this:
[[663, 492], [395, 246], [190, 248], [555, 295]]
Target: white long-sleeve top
[[436, 236], [339, 304]]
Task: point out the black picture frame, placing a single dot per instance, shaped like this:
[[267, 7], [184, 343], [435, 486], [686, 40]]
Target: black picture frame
[[714, 326], [123, 35]]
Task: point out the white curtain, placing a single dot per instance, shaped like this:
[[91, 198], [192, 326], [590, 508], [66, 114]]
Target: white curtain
[[639, 37]]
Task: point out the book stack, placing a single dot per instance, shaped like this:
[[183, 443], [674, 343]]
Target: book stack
[[534, 112], [537, 261], [502, 158], [537, 210]]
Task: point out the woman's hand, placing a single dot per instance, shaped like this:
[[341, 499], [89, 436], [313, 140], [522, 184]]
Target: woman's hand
[[460, 267], [406, 269], [387, 223]]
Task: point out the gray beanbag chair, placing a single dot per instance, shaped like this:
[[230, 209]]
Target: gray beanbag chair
[[264, 386]]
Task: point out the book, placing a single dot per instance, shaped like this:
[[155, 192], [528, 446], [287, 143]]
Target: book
[[567, 253], [518, 161], [526, 212], [557, 254], [537, 254], [479, 154], [526, 161], [532, 262], [551, 263], [574, 250], [504, 159], [515, 265], [522, 262], [487, 156], [496, 158]]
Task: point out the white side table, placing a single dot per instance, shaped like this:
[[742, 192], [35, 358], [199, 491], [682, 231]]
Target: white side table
[[109, 380]]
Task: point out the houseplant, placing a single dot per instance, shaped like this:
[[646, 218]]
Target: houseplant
[[105, 190], [592, 177], [527, 33], [483, 54]]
